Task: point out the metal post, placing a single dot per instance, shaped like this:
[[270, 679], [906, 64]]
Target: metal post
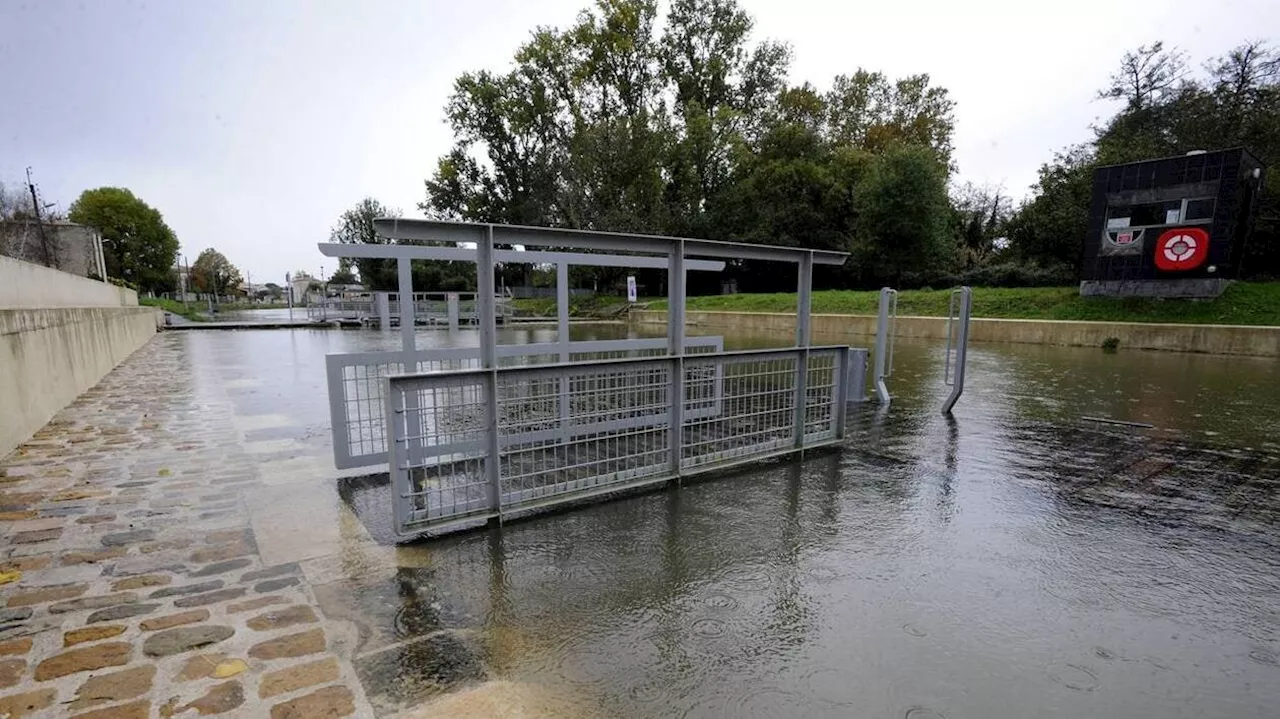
[[488, 360], [405, 269], [956, 378], [382, 305], [562, 309], [562, 338], [804, 290], [675, 347], [452, 310], [884, 340]]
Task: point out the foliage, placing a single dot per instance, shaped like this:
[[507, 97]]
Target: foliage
[[123, 283], [344, 276], [213, 273], [137, 245], [190, 312], [1245, 303], [355, 226], [688, 129]]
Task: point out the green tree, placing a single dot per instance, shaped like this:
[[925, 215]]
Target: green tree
[[355, 226], [903, 212], [137, 245], [213, 273]]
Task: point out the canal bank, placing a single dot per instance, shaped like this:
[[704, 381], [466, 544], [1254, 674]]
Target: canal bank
[[1205, 339]]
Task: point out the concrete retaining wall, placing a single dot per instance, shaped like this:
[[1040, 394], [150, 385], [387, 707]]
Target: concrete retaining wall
[[1210, 339], [26, 285], [59, 335]]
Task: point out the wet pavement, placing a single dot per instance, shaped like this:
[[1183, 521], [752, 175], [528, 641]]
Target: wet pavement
[[1016, 561]]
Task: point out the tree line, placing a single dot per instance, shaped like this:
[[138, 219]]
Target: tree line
[[139, 248], [689, 128]]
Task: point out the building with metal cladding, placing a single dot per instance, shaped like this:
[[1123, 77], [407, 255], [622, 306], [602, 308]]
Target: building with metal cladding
[[1170, 227]]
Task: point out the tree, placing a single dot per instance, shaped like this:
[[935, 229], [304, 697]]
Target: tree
[[137, 245], [355, 226], [213, 273], [274, 290], [979, 219], [903, 212], [344, 276]]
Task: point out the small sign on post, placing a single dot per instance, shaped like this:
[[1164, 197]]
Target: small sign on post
[[631, 288]]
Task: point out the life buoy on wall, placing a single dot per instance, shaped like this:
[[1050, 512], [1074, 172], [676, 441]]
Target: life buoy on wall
[[1182, 249]]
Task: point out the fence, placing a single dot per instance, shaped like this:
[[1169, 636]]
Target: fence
[[355, 382], [476, 444]]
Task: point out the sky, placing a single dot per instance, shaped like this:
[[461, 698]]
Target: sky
[[252, 125]]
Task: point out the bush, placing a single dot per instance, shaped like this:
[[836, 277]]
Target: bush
[[123, 283], [1012, 275]]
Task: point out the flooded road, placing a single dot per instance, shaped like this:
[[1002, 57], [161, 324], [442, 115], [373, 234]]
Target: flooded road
[[1015, 561]]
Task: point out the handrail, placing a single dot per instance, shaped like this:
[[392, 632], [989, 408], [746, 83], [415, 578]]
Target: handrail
[[886, 330], [958, 313]]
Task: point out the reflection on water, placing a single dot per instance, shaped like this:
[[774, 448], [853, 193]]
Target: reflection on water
[[1010, 562]]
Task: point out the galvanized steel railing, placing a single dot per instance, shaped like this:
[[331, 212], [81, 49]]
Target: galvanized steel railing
[[484, 443], [355, 381]]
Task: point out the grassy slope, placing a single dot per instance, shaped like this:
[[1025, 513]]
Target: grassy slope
[[172, 306], [1244, 303]]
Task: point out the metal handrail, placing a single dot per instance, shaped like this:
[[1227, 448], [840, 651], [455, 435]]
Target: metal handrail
[[886, 330], [961, 306]]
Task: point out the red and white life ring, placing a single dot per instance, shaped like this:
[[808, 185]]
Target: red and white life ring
[[1182, 249]]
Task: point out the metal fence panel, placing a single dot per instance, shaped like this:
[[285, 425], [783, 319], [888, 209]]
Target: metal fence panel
[[737, 406], [355, 382]]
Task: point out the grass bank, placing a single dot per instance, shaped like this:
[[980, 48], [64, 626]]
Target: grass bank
[[1244, 303], [173, 306]]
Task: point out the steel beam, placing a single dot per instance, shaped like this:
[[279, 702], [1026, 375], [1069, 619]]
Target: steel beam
[[536, 257]]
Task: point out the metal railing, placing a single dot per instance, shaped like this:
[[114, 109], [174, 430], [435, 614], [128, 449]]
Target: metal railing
[[957, 342], [886, 330], [355, 381], [489, 443], [428, 307]]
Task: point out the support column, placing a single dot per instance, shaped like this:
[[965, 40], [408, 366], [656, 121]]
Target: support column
[[488, 360], [804, 287], [404, 268], [562, 339], [675, 348]]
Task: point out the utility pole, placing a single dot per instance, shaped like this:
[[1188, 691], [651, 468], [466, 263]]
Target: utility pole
[[35, 207], [185, 276]]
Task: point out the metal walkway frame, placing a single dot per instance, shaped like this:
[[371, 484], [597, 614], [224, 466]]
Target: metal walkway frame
[[786, 385]]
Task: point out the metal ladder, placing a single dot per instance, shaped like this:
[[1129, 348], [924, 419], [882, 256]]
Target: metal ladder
[[886, 330], [957, 341]]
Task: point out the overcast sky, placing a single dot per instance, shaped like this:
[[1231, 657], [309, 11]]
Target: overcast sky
[[252, 125]]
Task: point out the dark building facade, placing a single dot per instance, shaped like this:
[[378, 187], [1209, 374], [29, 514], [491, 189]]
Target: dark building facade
[[1170, 227]]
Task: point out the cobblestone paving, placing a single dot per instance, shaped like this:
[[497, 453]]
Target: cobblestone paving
[[133, 585]]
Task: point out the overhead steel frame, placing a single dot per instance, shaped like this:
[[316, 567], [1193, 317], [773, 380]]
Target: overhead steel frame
[[676, 253]]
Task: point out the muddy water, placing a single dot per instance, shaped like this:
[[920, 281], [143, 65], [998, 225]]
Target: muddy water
[[1016, 561]]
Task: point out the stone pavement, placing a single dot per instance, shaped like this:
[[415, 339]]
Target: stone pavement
[[133, 582]]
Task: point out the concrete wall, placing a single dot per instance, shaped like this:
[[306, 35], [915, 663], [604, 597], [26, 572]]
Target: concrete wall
[[1211, 339], [24, 285], [59, 335], [65, 246]]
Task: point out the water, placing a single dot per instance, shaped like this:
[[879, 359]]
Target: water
[[1012, 562]]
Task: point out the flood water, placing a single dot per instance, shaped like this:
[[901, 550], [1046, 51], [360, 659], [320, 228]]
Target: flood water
[[1014, 561]]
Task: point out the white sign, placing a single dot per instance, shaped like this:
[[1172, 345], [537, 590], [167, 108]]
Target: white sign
[[1172, 216], [1117, 222], [631, 288]]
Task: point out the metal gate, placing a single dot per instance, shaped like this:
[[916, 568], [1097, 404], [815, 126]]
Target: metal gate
[[476, 444], [355, 382]]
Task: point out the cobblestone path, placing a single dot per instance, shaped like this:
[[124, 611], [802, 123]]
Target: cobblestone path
[[132, 582]]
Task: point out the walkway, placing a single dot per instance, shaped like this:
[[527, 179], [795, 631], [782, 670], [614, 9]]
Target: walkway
[[162, 557]]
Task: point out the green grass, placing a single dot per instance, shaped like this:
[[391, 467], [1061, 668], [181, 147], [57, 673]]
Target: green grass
[[173, 306], [597, 306], [1244, 303]]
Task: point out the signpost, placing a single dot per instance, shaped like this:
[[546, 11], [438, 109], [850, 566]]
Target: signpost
[[631, 288]]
